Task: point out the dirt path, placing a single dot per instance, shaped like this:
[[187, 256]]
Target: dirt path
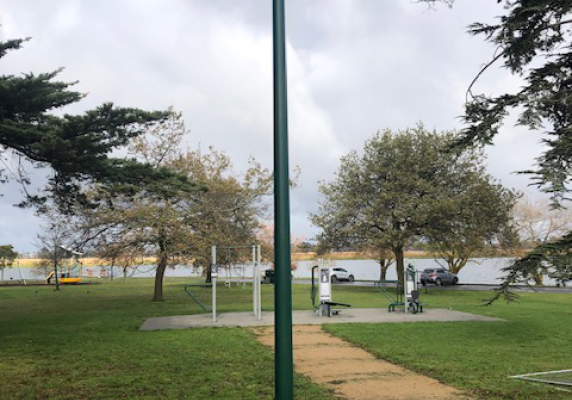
[[353, 373]]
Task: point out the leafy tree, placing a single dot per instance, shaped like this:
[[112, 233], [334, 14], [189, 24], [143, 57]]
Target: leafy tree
[[178, 226], [147, 222], [306, 247], [475, 213], [230, 211], [77, 147], [404, 186], [265, 237], [117, 253], [532, 40], [7, 257]]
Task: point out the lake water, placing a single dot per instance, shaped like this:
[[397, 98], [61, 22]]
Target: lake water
[[477, 271]]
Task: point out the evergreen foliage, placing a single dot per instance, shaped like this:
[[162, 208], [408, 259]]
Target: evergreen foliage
[[7, 255], [533, 40], [77, 147]]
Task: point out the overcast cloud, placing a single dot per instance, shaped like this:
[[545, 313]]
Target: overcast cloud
[[354, 67]]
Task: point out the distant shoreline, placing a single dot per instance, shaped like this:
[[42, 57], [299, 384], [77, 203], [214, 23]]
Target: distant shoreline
[[347, 255]]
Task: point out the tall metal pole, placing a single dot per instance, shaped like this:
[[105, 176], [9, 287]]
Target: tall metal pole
[[284, 362]]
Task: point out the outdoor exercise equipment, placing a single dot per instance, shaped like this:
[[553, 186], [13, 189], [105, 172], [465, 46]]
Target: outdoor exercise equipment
[[22, 279], [11, 265], [411, 293], [321, 294], [256, 281], [392, 290], [399, 295]]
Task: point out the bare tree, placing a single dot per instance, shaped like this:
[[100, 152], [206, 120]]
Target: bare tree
[[57, 233], [538, 223]]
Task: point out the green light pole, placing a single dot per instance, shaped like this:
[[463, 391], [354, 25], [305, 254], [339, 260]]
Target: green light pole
[[284, 362]]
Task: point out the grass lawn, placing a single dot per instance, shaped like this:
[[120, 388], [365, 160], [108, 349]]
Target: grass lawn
[[476, 356], [82, 342]]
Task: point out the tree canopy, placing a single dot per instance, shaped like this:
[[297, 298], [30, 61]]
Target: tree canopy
[[407, 185], [77, 147], [7, 255], [475, 216], [180, 226]]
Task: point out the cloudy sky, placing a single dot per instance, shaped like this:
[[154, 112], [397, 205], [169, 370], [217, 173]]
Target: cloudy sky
[[354, 67]]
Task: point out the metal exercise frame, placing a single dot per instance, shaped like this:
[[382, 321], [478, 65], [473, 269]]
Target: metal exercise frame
[[394, 300], [256, 282], [406, 296]]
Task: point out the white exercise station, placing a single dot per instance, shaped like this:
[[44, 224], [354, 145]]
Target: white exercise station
[[412, 304], [322, 294]]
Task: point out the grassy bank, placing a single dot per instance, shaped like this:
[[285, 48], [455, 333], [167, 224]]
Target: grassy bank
[[82, 342]]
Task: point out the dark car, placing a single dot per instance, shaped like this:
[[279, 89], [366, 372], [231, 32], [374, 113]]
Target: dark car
[[268, 276], [438, 276]]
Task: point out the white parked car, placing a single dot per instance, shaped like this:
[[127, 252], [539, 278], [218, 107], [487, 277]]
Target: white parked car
[[340, 274]]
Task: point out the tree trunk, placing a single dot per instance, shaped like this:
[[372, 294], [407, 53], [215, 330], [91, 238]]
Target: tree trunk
[[458, 266], [383, 267], [450, 262], [161, 267], [209, 274], [399, 258], [56, 270]]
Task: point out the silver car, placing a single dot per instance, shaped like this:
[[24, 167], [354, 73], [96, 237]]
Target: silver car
[[438, 276]]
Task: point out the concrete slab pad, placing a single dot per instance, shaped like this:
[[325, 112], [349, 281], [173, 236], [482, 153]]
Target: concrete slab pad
[[308, 317]]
